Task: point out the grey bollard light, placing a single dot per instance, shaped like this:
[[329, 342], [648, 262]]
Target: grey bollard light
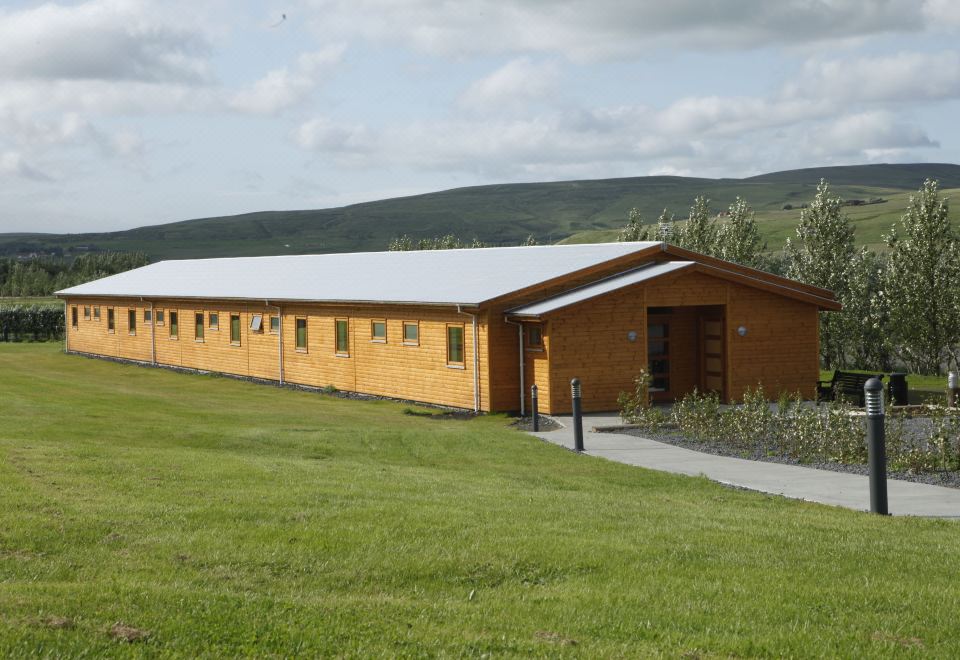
[[876, 446], [534, 409], [577, 415]]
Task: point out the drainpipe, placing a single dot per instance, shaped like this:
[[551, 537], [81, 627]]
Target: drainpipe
[[523, 403], [153, 334], [279, 335], [476, 361]]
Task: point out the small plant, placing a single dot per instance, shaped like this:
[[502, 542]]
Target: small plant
[[698, 415], [636, 408], [329, 389]]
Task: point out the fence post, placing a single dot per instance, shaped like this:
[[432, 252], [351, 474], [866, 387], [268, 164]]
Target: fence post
[[577, 415], [876, 446], [534, 409]]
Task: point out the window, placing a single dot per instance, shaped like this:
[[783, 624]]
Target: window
[[73, 316], [301, 334], [256, 323], [86, 313], [455, 345], [343, 337], [174, 325], [198, 327], [235, 329], [111, 321], [159, 314], [214, 321], [378, 331], [275, 324], [96, 313], [132, 321], [147, 316], [535, 336], [411, 333]]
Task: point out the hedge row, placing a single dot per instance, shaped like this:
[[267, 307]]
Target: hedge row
[[36, 322]]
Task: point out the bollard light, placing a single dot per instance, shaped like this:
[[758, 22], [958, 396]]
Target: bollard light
[[533, 408], [577, 414], [876, 446]]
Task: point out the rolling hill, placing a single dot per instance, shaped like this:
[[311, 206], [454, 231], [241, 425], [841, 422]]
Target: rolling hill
[[577, 211]]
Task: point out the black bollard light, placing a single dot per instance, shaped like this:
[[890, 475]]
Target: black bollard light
[[876, 446], [577, 415], [533, 408]]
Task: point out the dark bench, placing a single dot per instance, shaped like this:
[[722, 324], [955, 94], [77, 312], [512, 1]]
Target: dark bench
[[846, 383]]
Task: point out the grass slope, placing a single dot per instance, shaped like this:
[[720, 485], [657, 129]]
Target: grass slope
[[500, 214], [224, 518]]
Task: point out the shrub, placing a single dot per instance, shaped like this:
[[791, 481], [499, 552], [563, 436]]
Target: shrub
[[636, 408]]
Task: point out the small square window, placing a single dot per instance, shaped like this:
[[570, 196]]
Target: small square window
[[86, 313], [159, 315], [214, 321], [147, 316], [535, 336], [96, 313], [275, 324], [256, 323], [411, 333], [378, 331]]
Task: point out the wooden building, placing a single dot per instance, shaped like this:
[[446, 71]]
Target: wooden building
[[466, 328]]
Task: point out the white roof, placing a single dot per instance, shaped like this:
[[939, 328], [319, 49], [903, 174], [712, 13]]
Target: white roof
[[606, 285], [467, 276]]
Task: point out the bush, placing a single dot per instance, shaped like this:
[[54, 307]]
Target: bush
[[636, 408], [31, 322]]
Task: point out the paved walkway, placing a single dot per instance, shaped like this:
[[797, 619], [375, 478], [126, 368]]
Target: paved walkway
[[837, 488]]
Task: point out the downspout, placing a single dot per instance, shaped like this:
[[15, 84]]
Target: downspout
[[476, 360], [279, 335], [153, 334], [523, 401]]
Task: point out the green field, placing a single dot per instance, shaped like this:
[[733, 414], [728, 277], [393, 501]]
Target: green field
[[506, 214], [212, 517]]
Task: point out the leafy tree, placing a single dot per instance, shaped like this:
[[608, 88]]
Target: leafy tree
[[922, 283], [635, 230], [739, 238], [700, 233], [824, 255], [530, 240], [449, 242]]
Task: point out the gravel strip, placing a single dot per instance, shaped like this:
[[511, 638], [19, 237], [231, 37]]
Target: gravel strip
[[950, 479]]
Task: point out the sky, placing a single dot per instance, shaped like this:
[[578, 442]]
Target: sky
[[124, 113]]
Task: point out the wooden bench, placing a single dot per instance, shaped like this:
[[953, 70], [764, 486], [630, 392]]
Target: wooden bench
[[846, 383]]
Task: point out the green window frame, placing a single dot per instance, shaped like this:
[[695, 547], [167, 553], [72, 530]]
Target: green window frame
[[111, 320], [235, 329], [411, 333], [455, 347], [132, 321], [378, 331], [174, 324], [198, 326], [301, 333], [342, 337]]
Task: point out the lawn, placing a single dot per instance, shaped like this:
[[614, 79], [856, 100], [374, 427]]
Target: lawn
[[205, 516]]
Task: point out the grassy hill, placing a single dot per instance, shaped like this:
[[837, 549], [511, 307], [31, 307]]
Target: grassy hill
[[577, 211], [148, 513]]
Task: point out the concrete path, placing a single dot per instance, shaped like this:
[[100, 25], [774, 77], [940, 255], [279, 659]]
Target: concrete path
[[836, 488]]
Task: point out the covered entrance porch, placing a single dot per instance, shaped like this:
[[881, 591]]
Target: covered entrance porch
[[686, 350]]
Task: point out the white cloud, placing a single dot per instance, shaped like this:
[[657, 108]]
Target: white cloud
[[590, 29], [13, 163], [99, 40], [285, 87], [905, 76], [511, 86]]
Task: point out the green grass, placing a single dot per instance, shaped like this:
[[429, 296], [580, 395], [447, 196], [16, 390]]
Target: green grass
[[38, 300], [507, 214], [226, 518]]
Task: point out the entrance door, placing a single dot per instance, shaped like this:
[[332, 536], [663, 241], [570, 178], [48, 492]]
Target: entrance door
[[658, 356], [711, 355]]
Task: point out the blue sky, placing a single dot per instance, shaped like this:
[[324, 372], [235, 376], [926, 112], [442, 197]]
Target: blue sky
[[123, 113]]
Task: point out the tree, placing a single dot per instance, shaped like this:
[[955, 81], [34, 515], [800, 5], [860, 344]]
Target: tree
[[449, 242], [700, 233], [530, 240], [824, 255], [739, 238], [922, 283], [634, 230]]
